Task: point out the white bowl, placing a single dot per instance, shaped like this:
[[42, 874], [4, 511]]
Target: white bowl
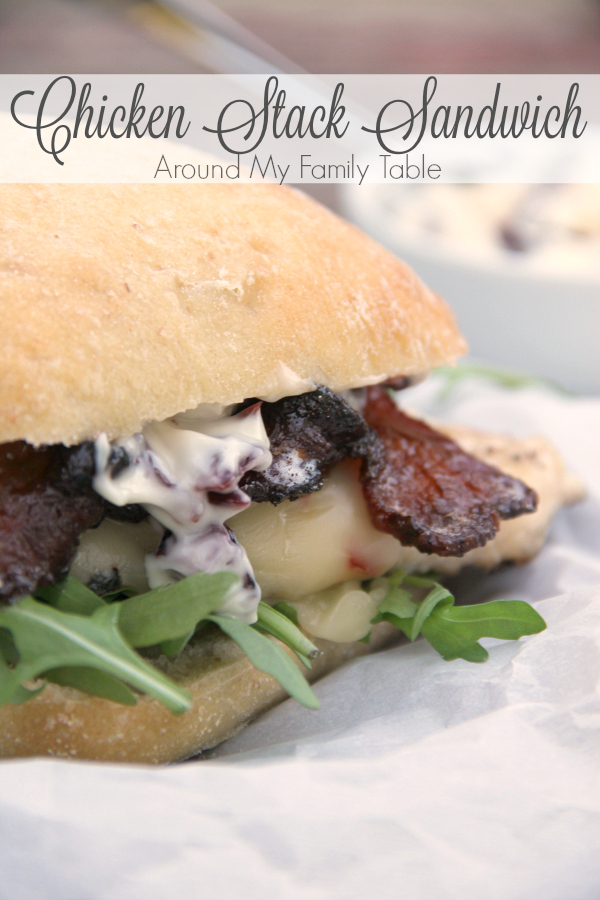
[[512, 315]]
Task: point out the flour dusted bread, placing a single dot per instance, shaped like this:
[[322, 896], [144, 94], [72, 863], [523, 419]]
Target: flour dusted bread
[[227, 692], [130, 303]]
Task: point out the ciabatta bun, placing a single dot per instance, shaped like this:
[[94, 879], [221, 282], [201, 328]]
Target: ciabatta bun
[[130, 303]]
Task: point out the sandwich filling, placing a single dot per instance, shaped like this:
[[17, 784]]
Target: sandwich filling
[[191, 474]]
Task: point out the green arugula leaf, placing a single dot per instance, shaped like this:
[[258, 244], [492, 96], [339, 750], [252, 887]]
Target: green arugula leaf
[[438, 595], [451, 643], [269, 657], [8, 650], [276, 623], [169, 613], [122, 593], [454, 630], [20, 694], [94, 682], [396, 606], [303, 659], [397, 603], [47, 639], [80, 640], [287, 610], [23, 694], [507, 378], [71, 596], [175, 646], [420, 581]]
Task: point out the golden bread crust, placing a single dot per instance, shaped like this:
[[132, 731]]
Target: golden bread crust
[[226, 689], [123, 304]]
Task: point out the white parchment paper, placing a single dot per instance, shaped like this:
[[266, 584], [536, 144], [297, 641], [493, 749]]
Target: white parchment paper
[[418, 778]]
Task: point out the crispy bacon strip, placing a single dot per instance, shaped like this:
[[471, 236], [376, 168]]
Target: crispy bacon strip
[[308, 434], [427, 492], [46, 501]]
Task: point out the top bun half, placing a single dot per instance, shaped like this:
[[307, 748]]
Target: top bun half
[[124, 304]]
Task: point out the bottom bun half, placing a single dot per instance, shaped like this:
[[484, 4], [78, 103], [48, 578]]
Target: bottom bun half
[[227, 692]]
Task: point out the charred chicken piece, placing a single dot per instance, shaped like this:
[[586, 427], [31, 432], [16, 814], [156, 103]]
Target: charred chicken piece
[[308, 433], [46, 501], [427, 492]]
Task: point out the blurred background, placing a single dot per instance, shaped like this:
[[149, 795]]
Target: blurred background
[[316, 35], [520, 267]]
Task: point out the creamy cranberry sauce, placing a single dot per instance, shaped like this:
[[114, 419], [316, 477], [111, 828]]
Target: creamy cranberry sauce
[[185, 472]]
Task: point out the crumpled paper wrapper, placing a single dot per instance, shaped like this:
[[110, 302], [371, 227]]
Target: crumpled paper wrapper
[[418, 778]]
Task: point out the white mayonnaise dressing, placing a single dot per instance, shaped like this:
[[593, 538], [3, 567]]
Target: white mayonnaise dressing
[[284, 382], [185, 472]]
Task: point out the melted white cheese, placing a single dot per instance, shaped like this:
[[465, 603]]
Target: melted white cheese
[[342, 613], [185, 472], [306, 545]]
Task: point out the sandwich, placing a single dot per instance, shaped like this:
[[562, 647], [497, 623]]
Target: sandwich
[[210, 493]]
